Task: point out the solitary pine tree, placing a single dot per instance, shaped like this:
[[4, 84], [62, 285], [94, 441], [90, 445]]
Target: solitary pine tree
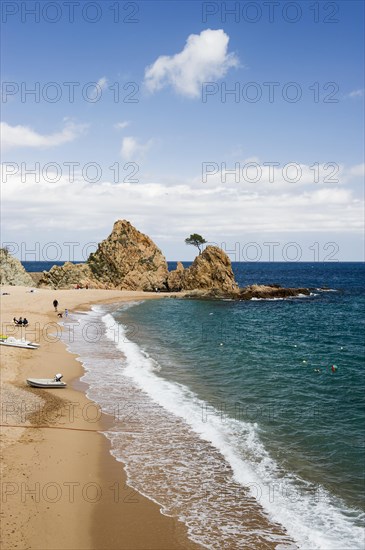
[[195, 240]]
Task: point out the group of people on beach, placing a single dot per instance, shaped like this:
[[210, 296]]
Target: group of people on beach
[[23, 322]]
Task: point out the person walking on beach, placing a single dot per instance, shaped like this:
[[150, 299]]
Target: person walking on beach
[[55, 304]]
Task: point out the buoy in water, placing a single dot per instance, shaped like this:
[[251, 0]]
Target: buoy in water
[[333, 368]]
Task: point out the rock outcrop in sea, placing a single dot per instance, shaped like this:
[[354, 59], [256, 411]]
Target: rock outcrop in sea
[[256, 292], [266, 292], [12, 272], [211, 270]]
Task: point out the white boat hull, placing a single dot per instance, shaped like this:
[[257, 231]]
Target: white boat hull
[[15, 343], [45, 383]]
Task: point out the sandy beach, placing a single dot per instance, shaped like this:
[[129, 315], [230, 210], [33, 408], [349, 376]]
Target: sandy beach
[[61, 488]]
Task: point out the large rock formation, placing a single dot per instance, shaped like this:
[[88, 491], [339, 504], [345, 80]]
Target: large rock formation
[[211, 270], [129, 260], [12, 272], [68, 275]]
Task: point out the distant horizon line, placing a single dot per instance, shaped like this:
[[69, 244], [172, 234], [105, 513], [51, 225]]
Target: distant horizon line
[[233, 262]]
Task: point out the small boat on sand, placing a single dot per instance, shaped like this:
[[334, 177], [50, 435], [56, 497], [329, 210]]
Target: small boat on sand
[[55, 382], [10, 341]]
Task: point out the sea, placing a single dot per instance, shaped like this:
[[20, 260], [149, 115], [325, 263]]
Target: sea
[[243, 419]]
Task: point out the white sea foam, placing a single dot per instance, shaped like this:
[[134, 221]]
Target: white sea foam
[[280, 299], [327, 289], [206, 485], [254, 299]]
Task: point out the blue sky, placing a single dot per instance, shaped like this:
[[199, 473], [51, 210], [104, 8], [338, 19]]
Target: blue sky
[[170, 137]]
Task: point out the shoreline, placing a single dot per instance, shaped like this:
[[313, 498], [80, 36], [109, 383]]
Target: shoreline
[[62, 487]]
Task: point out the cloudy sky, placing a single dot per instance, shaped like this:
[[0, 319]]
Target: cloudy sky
[[241, 121]]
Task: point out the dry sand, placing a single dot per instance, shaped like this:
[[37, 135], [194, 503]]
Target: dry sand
[[61, 488]]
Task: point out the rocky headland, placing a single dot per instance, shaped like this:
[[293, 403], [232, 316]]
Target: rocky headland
[[129, 260], [12, 272]]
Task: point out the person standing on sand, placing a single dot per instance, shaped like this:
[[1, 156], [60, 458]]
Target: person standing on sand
[[55, 304]]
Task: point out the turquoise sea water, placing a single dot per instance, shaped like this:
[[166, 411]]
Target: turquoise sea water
[[227, 395]]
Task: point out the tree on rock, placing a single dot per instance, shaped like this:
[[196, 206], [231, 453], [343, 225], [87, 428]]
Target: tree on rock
[[195, 240]]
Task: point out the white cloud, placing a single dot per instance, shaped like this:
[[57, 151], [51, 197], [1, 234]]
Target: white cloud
[[132, 150], [23, 136], [203, 59], [252, 174], [122, 125], [102, 82], [357, 171], [356, 93], [218, 211]]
